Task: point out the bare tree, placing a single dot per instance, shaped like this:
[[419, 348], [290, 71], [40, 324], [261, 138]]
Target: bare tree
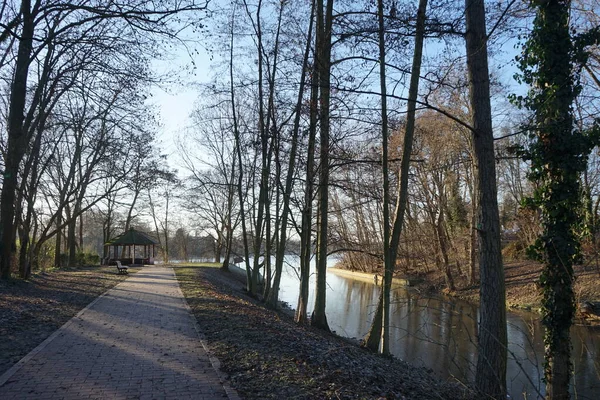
[[380, 321], [29, 32]]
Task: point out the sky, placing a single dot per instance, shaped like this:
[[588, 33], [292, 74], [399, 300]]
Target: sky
[[175, 102], [175, 109]]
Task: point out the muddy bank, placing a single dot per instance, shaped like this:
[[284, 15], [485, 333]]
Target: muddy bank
[[266, 355]]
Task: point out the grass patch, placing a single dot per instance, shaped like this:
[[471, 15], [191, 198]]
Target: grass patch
[[196, 265]]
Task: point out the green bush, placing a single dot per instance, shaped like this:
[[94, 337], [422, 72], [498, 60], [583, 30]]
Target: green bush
[[64, 260], [87, 259]]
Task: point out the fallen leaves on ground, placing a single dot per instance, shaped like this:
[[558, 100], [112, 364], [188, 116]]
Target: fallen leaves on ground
[[32, 310], [267, 356]]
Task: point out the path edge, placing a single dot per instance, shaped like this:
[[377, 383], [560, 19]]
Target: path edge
[[232, 394], [15, 368]]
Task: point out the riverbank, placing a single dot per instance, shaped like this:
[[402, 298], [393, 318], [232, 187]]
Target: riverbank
[[522, 291], [32, 310], [370, 278], [266, 355]]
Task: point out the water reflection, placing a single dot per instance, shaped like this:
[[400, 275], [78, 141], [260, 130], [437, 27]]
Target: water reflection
[[440, 334]]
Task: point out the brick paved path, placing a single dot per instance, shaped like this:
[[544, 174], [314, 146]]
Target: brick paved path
[[138, 341]]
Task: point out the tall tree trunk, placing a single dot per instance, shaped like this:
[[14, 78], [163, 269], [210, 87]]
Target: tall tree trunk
[[58, 243], [388, 262], [31, 185], [16, 141], [44, 102], [373, 337], [229, 217], [238, 150], [490, 378], [270, 240], [306, 233], [289, 180], [323, 46], [259, 222], [71, 239]]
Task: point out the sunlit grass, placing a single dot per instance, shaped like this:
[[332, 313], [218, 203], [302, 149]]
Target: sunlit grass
[[197, 264]]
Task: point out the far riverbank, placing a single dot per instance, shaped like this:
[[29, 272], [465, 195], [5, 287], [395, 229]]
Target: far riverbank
[[522, 290]]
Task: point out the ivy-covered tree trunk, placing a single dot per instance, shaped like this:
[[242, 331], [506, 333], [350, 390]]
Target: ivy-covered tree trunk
[[558, 156], [490, 377]]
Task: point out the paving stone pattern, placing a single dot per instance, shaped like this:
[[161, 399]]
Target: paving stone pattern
[[138, 341]]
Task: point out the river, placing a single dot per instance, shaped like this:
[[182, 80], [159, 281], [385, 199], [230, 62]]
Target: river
[[439, 333]]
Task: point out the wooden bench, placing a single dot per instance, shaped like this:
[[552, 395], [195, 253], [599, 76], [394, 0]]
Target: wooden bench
[[121, 269]]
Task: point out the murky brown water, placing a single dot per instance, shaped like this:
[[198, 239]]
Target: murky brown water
[[440, 334]]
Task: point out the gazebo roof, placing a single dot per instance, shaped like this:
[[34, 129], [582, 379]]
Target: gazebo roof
[[131, 237]]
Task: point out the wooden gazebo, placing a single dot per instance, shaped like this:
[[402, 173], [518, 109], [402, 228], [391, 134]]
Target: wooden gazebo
[[131, 248]]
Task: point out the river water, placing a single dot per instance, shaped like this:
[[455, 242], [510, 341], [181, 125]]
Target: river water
[[440, 333]]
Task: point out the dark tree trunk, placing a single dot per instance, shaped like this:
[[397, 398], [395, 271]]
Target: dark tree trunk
[[16, 141], [388, 262], [72, 240], [240, 178], [58, 243], [323, 46], [490, 378], [306, 231]]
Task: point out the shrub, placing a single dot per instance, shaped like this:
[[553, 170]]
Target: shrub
[[84, 259]]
